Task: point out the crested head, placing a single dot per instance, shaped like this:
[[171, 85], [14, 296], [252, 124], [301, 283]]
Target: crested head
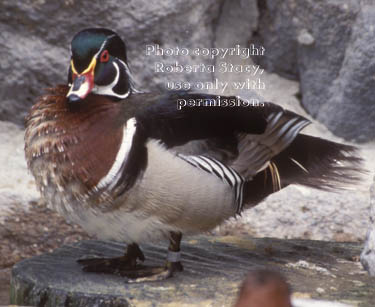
[[99, 65], [87, 43]]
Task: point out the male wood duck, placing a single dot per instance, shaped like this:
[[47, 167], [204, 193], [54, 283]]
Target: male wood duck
[[133, 167]]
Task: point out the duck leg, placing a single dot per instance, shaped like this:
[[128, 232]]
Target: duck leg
[[174, 254], [114, 265], [127, 266], [172, 264]]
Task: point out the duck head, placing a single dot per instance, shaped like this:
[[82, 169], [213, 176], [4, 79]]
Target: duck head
[[98, 65]]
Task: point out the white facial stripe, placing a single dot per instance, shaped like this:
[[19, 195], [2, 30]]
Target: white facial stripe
[[108, 89], [114, 173], [103, 45], [131, 78]]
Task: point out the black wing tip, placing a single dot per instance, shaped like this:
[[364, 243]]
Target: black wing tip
[[330, 166]]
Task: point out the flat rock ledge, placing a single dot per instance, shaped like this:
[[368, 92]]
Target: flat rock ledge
[[214, 269]]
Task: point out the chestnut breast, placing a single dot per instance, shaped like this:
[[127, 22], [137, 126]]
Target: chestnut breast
[[72, 145]]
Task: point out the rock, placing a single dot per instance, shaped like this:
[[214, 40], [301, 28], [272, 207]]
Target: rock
[[17, 187], [28, 72], [214, 269], [299, 212], [305, 38], [4, 285], [352, 92], [35, 39], [238, 21], [328, 46], [368, 252]]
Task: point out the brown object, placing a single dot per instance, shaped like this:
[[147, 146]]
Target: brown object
[[264, 288]]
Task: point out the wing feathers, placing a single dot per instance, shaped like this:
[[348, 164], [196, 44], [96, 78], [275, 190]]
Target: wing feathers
[[225, 173], [255, 151]]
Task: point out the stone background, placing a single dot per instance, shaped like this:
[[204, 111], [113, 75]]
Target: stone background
[[319, 62], [327, 46]]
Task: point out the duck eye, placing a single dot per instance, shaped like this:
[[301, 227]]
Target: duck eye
[[104, 57]]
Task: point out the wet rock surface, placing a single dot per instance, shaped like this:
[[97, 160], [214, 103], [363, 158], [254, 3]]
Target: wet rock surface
[[214, 269]]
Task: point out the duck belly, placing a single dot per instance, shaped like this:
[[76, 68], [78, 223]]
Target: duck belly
[[171, 195]]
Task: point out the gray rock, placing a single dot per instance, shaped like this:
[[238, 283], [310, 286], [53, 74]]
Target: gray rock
[[17, 186], [214, 269], [351, 99], [35, 38], [305, 38], [328, 45], [31, 65], [368, 252], [299, 212], [238, 21]]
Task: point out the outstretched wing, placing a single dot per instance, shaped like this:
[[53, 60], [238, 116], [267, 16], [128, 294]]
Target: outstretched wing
[[256, 132], [204, 116]]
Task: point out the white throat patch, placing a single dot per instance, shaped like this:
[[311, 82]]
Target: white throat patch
[[108, 89]]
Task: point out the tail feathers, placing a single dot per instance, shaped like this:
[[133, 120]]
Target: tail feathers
[[319, 163], [308, 161], [255, 151]]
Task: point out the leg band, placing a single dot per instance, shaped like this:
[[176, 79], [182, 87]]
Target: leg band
[[173, 256]]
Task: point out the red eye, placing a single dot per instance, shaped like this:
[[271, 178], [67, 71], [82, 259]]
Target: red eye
[[104, 57]]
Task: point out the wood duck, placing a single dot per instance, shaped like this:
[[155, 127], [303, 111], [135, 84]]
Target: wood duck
[[134, 167]]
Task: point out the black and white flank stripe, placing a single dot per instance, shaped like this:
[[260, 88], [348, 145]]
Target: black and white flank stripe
[[225, 173]]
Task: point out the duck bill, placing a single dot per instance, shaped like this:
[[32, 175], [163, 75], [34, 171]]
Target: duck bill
[[82, 83]]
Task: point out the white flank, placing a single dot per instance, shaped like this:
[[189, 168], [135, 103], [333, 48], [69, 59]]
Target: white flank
[[122, 155]]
